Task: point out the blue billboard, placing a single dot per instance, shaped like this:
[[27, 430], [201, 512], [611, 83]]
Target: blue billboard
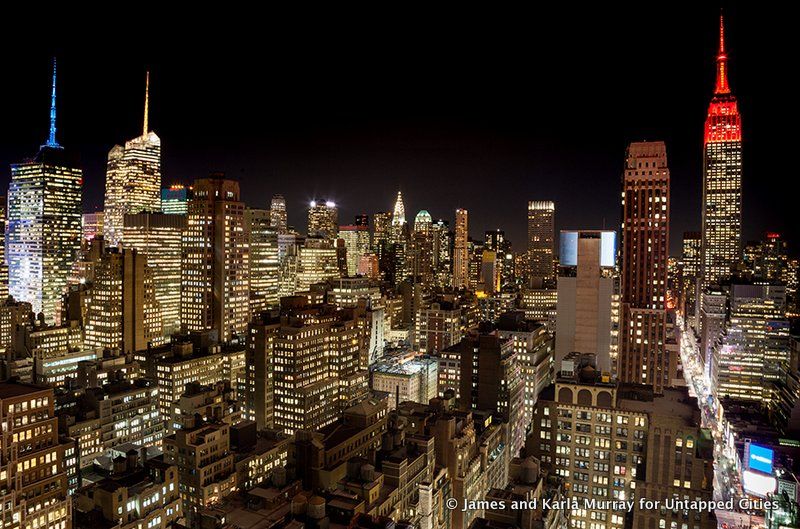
[[760, 459]]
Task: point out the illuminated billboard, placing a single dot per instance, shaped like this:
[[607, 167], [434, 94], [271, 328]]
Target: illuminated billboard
[[760, 458], [568, 248], [758, 484]]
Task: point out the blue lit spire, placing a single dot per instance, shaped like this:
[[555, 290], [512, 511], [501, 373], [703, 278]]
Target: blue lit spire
[[51, 141]]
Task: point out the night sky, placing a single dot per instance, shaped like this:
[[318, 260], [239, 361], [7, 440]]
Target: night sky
[[480, 110]]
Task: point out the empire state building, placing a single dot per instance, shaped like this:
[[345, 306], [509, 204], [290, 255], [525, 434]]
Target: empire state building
[[722, 179]]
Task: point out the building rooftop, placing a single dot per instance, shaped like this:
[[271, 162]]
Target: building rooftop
[[13, 389], [409, 368], [675, 402]]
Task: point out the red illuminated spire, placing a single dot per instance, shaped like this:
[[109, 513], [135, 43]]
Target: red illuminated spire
[[722, 62], [723, 122]]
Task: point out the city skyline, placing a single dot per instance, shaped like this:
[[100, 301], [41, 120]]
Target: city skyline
[[305, 148], [539, 282]]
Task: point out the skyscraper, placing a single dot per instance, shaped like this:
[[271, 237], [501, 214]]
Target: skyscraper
[[690, 273], [754, 345], [362, 219], [587, 306], [423, 222], [489, 378], [175, 199], [277, 214], [356, 241], [43, 234], [323, 357], [722, 178], [264, 263], [644, 355], [3, 267], [399, 212], [122, 312], [92, 225], [495, 240], [158, 236], [541, 238], [461, 251], [442, 252], [133, 178], [381, 223], [215, 290], [323, 219]]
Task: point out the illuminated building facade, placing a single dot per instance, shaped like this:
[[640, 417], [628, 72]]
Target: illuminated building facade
[[415, 380], [316, 261], [43, 231], [54, 369], [421, 256], [277, 214], [123, 311], [533, 347], [437, 327], [3, 265], [423, 222], [490, 272], [755, 346], [320, 357], [442, 239], [368, 266], [541, 242], [193, 359], [398, 216], [769, 260], [49, 341], [381, 223], [475, 252], [599, 435], [679, 462], [260, 367], [133, 179], [264, 263], [397, 259], [722, 179], [348, 292], [107, 417], [713, 314], [489, 378], [12, 314], [356, 242], [323, 219], [92, 225], [175, 199], [33, 478], [137, 494], [215, 290], [644, 356], [495, 240], [461, 250], [158, 236], [539, 304], [462, 442], [205, 462], [690, 272]]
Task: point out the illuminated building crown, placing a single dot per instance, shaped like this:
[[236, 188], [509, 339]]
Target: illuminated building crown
[[399, 215], [723, 122]]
